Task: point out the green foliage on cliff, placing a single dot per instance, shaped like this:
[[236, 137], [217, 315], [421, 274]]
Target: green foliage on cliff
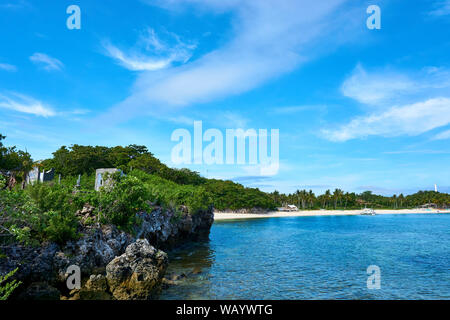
[[119, 204], [47, 211], [24, 217], [2, 182], [167, 193], [49, 196], [60, 227], [228, 195], [7, 287]]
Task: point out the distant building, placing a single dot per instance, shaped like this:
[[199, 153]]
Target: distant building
[[288, 208], [429, 206], [100, 180], [36, 175]]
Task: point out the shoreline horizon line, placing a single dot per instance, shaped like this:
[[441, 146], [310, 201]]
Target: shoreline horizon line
[[224, 216]]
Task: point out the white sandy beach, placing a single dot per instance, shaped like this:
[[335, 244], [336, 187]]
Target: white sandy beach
[[220, 216]]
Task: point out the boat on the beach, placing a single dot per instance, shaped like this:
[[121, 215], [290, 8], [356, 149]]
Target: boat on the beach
[[368, 212]]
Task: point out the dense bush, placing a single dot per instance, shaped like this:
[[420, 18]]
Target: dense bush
[[87, 181], [2, 182], [27, 218], [48, 196], [60, 227], [232, 196], [118, 205], [139, 190], [169, 194]]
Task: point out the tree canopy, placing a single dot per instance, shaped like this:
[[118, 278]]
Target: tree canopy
[[14, 163]]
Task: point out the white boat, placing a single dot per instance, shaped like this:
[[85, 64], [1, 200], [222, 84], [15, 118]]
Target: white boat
[[368, 212]]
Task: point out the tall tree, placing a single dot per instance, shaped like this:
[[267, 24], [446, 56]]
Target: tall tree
[[14, 164]]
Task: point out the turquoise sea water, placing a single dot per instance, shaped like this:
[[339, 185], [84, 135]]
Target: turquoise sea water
[[318, 258]]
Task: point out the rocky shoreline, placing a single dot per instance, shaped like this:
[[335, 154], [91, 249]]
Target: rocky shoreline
[[113, 264]]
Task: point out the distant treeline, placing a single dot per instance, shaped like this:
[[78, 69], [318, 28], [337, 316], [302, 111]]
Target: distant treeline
[[339, 199]]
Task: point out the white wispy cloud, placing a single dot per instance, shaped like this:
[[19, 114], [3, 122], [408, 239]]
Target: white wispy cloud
[[133, 62], [151, 53], [420, 151], [21, 103], [442, 135], [46, 62], [375, 88], [442, 8], [413, 119], [270, 38], [230, 119], [384, 87], [398, 103], [296, 109], [225, 119], [14, 5], [8, 67]]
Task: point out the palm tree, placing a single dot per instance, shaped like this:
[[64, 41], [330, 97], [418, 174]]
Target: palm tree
[[304, 197], [394, 200], [311, 198], [346, 198], [327, 197], [337, 196], [401, 198]]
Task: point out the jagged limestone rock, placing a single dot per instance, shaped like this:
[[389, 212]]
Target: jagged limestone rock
[[95, 288], [137, 274], [96, 283]]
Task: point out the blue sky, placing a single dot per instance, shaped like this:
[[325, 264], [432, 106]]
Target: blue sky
[[356, 108]]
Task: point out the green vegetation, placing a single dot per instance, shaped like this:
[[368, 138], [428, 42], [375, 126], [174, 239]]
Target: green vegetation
[[47, 211], [15, 163], [339, 199], [232, 196], [169, 194], [25, 215], [7, 288]]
